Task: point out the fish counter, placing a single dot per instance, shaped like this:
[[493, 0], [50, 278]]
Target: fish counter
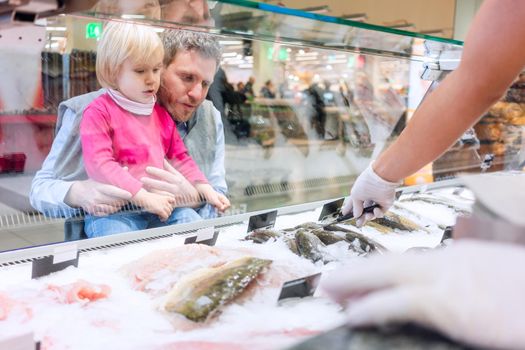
[[150, 290]]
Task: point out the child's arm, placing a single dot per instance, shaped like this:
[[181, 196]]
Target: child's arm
[[218, 200], [97, 150]]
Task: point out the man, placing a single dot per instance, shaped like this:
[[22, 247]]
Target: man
[[62, 188]]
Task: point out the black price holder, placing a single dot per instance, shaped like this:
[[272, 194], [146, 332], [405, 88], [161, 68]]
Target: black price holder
[[206, 235], [330, 208], [22, 341], [63, 256], [447, 234], [300, 288], [264, 220]]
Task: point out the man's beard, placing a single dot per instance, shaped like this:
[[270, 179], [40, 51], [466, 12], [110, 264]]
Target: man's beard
[[166, 100]]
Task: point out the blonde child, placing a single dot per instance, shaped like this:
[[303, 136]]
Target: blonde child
[[124, 130]]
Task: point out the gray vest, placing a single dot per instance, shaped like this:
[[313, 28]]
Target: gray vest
[[69, 165], [200, 139]]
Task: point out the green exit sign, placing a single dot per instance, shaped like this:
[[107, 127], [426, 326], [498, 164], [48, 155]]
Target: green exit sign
[[93, 30]]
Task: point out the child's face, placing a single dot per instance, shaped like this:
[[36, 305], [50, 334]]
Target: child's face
[[139, 81]]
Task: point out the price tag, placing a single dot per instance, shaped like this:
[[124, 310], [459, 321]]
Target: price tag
[[331, 208], [265, 220], [63, 256], [300, 288], [24, 341], [206, 235]]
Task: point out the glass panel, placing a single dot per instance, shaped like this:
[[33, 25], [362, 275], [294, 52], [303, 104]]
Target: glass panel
[[301, 118], [271, 23]]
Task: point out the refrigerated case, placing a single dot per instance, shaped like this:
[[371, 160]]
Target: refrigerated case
[[344, 91]]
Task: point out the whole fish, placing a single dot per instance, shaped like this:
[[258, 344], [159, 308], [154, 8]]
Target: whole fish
[[327, 237], [262, 235], [309, 246], [200, 294], [390, 222]]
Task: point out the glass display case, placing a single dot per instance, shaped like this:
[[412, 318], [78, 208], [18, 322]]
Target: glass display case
[[339, 92], [298, 107], [306, 102]]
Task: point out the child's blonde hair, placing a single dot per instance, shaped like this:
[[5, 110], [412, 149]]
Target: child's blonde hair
[[120, 41]]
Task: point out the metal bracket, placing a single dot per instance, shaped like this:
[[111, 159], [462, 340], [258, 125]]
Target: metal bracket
[[442, 59]]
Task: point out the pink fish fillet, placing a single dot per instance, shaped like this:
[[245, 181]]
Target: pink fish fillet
[[80, 291], [179, 260]]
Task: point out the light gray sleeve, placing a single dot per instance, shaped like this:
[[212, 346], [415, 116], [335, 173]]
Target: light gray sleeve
[[217, 176], [47, 192]]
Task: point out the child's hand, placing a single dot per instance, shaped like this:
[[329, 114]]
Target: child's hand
[[218, 200], [159, 204]]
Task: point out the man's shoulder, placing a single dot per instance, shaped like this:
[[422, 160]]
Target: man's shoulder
[[79, 103], [207, 107], [208, 112]]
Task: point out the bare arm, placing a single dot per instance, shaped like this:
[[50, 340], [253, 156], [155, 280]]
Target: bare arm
[[493, 55]]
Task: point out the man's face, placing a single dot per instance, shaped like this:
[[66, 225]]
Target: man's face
[[188, 12], [185, 83]]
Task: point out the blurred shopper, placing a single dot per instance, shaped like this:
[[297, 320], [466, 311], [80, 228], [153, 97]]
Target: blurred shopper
[[285, 91], [240, 86], [267, 91], [471, 291], [316, 104], [248, 88], [217, 91]]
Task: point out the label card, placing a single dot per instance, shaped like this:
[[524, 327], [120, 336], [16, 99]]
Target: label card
[[265, 220], [331, 208], [24, 341], [447, 234], [63, 256], [206, 235], [300, 288]]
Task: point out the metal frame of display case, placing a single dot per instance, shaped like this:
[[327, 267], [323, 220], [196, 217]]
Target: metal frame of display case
[[27, 255]]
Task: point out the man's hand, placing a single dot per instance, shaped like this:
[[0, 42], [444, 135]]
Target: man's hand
[[96, 198], [170, 181], [218, 200], [368, 189], [471, 291]]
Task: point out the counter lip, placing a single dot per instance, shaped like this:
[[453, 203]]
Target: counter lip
[[27, 255]]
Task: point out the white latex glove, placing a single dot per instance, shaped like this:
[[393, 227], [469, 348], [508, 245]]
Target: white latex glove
[[472, 291], [368, 189]]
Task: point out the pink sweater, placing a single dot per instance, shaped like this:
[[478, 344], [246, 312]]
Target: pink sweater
[[113, 138]]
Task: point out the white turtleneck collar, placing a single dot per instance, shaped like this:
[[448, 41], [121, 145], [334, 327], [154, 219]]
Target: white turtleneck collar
[[131, 106]]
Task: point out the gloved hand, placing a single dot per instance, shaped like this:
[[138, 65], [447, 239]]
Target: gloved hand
[[472, 291], [368, 189]]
